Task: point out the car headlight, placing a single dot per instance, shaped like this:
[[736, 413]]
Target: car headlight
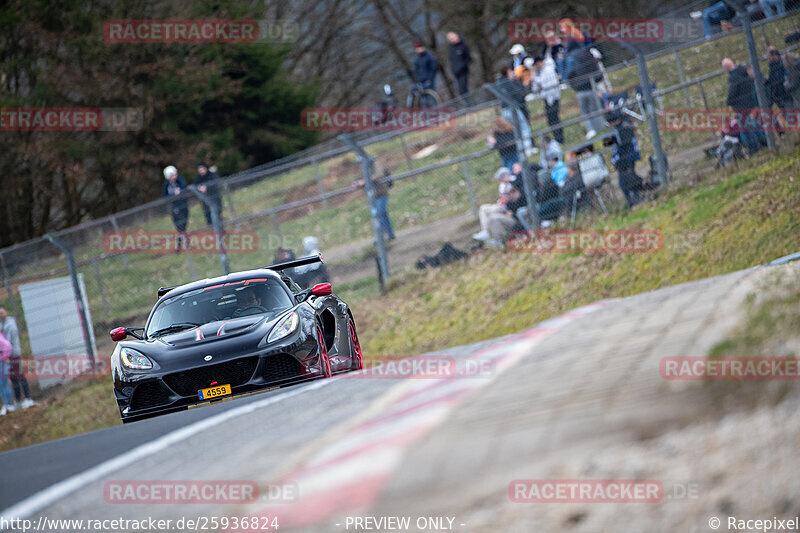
[[283, 328], [133, 359]]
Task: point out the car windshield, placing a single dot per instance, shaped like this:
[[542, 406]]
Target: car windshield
[[261, 296]]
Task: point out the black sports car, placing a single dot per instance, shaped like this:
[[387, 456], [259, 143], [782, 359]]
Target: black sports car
[[230, 335]]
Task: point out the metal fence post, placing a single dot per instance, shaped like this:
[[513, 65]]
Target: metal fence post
[[650, 110], [116, 228], [409, 162], [11, 299], [471, 192], [320, 186], [99, 280], [66, 249], [682, 78], [380, 245], [229, 196]]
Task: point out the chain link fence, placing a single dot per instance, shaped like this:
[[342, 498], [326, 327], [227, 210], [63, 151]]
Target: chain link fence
[[439, 179]]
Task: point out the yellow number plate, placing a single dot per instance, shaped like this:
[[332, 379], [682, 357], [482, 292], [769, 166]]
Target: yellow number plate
[[214, 392]]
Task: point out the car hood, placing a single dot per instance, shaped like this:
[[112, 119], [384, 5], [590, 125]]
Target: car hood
[[214, 331]]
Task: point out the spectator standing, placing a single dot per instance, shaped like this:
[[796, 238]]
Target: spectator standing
[[547, 83], [792, 83], [5, 384], [581, 70], [518, 56], [459, 63], [741, 89], [308, 275], [424, 66], [173, 186], [9, 329], [207, 182], [524, 73], [776, 88]]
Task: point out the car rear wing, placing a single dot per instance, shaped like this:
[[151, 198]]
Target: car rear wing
[[296, 263], [277, 267]]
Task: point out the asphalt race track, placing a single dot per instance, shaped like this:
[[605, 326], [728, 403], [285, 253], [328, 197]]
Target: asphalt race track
[[578, 396]]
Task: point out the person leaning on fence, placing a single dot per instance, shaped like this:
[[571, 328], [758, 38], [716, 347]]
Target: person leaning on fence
[[624, 157], [502, 140], [173, 186], [9, 329], [207, 182], [513, 89], [382, 185]]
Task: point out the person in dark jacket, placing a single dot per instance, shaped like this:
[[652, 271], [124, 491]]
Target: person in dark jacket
[[581, 69], [776, 81], [424, 66], [741, 89], [207, 182], [174, 185], [459, 63], [792, 83], [624, 156]]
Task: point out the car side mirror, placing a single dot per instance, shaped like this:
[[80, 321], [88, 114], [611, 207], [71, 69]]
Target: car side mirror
[[321, 289], [118, 334]]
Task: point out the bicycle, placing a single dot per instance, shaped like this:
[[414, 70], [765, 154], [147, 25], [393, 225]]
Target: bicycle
[[419, 96]]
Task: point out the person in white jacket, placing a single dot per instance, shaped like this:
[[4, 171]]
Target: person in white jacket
[[547, 84]]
